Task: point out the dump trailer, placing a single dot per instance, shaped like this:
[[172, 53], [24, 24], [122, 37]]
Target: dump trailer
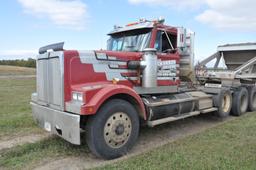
[[233, 67], [145, 77]]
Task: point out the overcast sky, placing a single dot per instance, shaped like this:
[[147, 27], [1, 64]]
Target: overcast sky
[[27, 25]]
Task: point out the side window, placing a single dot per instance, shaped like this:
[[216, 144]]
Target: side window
[[165, 44], [117, 44], [158, 42]]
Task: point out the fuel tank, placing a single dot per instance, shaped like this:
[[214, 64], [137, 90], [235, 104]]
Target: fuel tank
[[169, 105]]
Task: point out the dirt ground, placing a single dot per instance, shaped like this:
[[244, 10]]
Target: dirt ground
[[20, 140], [150, 138]]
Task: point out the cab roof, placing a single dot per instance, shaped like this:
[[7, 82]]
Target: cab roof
[[132, 26], [142, 24]]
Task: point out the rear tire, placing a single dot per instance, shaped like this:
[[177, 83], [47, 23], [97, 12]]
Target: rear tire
[[113, 131], [252, 98], [240, 102], [223, 100]]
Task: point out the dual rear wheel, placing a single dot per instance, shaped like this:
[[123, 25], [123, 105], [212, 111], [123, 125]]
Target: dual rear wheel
[[239, 102], [244, 100], [252, 98], [223, 101]]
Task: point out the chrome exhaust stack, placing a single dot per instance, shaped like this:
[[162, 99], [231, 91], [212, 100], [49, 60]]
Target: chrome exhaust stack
[[149, 73]]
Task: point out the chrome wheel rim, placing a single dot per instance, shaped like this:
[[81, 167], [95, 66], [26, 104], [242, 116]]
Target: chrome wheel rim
[[117, 130], [226, 103]]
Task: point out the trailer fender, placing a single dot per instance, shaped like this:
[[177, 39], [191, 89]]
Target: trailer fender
[[111, 91]]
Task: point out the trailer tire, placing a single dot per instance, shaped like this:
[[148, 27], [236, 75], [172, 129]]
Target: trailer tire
[[223, 100], [113, 131], [240, 102], [252, 98]]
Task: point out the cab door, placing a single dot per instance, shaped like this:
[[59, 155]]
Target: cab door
[[168, 58]]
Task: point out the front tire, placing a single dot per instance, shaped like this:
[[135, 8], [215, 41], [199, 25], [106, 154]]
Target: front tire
[[113, 131]]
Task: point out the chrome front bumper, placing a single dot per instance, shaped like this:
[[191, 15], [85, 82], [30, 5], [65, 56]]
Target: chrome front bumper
[[63, 124]]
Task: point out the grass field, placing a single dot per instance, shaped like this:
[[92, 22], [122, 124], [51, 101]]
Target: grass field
[[15, 110], [28, 156], [13, 70]]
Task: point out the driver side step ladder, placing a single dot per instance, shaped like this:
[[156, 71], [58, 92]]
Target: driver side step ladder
[[171, 119]]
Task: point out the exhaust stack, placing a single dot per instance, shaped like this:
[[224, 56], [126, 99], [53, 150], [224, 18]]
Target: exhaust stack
[[149, 74]]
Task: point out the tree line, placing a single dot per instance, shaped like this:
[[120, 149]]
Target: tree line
[[30, 62]]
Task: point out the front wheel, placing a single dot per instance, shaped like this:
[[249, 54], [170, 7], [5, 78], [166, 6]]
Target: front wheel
[[113, 131]]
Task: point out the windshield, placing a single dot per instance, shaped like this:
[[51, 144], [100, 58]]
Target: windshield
[[129, 41]]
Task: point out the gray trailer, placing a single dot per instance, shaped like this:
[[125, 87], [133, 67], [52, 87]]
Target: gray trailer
[[233, 67]]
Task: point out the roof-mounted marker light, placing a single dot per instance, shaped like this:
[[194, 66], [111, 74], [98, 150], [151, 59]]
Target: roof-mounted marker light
[[117, 27], [131, 24], [143, 20], [161, 20]]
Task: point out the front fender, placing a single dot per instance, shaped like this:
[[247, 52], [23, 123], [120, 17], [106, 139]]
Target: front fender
[[105, 93]]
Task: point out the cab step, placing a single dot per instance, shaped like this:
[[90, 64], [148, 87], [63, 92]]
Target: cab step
[[171, 119], [209, 110]]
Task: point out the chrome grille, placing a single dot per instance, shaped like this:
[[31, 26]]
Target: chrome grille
[[50, 80]]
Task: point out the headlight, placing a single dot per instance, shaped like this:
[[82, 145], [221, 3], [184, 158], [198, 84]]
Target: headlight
[[77, 96], [80, 97], [74, 96]]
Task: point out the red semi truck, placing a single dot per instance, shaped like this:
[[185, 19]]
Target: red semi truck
[[146, 76]]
